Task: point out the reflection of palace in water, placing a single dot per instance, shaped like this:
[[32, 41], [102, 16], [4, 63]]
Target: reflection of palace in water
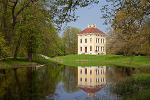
[[91, 79]]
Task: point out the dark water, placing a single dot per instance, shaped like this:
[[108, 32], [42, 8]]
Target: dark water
[[60, 82]]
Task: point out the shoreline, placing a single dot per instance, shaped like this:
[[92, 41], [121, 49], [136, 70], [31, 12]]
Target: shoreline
[[117, 60], [10, 63]]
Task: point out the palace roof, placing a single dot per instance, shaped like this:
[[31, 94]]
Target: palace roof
[[91, 30]]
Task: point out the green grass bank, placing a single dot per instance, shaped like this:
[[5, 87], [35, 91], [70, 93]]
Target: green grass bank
[[10, 63], [97, 60], [81, 60]]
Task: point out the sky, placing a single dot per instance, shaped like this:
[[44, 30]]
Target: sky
[[88, 15]]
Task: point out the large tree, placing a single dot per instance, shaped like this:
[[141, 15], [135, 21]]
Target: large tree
[[70, 40], [129, 20]]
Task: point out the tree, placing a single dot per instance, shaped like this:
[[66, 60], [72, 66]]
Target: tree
[[70, 40], [128, 19], [4, 50], [70, 79], [17, 13]]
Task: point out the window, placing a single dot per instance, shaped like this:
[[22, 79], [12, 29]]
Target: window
[[97, 80], [98, 40], [85, 79], [90, 80], [80, 40], [90, 48], [90, 71], [98, 48], [85, 40], [85, 70], [102, 40], [102, 49], [81, 79], [90, 40], [103, 71], [80, 48], [81, 71]]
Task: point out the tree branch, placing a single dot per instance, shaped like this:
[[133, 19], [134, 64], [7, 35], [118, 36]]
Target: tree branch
[[13, 9], [23, 8]]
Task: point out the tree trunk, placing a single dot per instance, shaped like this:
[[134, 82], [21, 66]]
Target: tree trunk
[[30, 50], [4, 19], [29, 55], [18, 45]]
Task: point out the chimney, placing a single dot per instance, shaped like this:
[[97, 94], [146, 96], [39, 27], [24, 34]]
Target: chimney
[[91, 25]]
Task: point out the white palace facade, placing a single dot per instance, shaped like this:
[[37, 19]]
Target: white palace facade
[[91, 41]]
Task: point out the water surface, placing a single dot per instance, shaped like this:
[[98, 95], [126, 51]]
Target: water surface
[[60, 82]]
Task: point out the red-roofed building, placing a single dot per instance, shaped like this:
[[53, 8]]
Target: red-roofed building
[[91, 41]]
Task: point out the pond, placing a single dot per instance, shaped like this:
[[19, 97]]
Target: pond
[[60, 82]]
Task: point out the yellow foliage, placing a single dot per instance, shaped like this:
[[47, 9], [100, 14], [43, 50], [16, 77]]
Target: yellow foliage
[[4, 50]]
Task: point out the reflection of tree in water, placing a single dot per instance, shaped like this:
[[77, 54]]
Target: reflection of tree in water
[[29, 83], [127, 70], [70, 79], [115, 74], [3, 84]]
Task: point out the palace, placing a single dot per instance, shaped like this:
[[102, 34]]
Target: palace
[[91, 41]]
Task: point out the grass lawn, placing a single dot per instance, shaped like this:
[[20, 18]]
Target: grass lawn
[[21, 62], [97, 60], [81, 60]]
